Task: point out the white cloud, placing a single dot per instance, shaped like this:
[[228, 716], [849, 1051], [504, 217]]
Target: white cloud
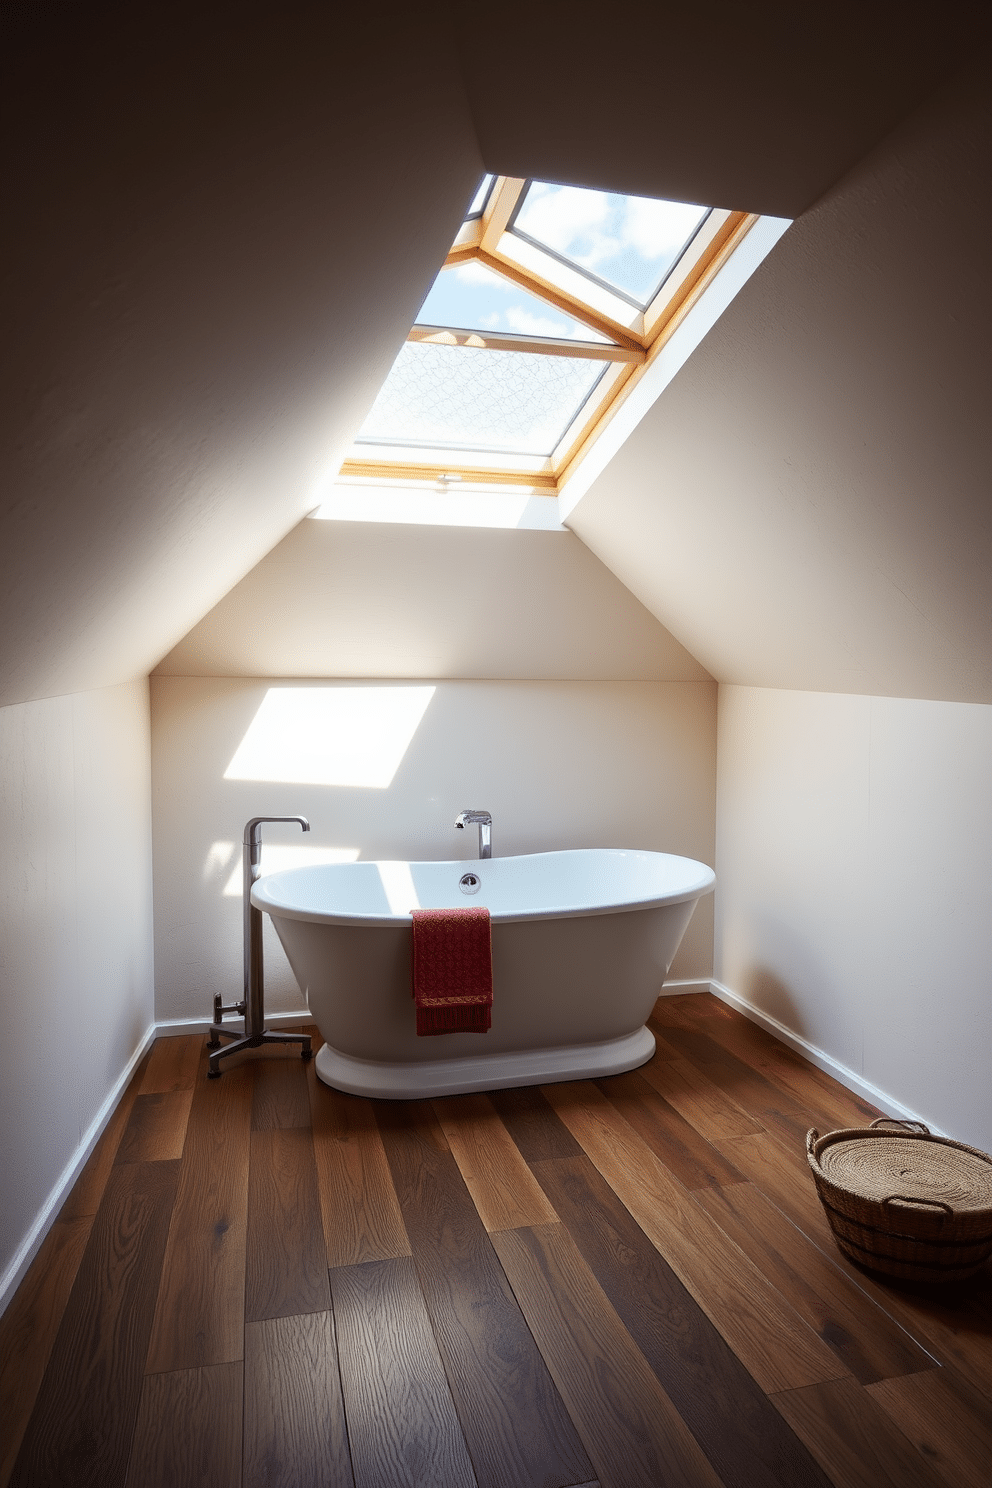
[[655, 229], [473, 272], [525, 323]]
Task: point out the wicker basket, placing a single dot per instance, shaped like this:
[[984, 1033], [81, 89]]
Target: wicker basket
[[903, 1202]]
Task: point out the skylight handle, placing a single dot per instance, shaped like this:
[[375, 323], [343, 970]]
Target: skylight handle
[[252, 1008]]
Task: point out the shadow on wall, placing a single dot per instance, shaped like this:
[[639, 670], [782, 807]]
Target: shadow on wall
[[768, 992]]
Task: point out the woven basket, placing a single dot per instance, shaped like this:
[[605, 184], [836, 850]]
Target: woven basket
[[903, 1202]]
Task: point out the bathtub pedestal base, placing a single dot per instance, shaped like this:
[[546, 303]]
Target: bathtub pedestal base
[[422, 1079]]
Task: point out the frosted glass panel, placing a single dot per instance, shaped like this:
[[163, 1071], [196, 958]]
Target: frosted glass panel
[[628, 242], [460, 398]]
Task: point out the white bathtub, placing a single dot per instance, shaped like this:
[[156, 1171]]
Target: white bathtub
[[582, 942]]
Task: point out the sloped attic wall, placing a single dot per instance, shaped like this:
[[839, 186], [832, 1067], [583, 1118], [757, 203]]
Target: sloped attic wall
[[224, 230], [807, 506], [822, 462]]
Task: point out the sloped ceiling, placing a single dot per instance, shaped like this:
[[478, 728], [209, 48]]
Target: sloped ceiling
[[223, 229], [224, 217], [808, 505], [360, 599], [759, 106]]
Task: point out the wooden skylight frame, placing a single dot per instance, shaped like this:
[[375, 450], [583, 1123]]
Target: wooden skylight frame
[[632, 347]]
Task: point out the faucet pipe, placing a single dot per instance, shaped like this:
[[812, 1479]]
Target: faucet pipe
[[252, 1006], [251, 871], [484, 821]]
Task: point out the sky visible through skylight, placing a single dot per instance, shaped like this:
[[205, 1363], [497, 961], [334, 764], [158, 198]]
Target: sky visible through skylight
[[630, 242], [597, 252], [470, 297]]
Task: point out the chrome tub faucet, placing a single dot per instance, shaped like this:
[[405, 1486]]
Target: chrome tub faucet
[[485, 824]]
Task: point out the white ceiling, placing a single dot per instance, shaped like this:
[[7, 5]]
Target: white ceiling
[[223, 220]]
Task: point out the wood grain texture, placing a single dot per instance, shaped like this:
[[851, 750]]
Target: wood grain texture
[[772, 1106], [503, 1189], [29, 1327], [295, 1434], [776, 1346], [952, 1323], [702, 1102], [632, 1432], [855, 1442], [156, 1128], [89, 1187], [533, 1125], [286, 1258], [683, 1150], [402, 1424], [663, 1049], [281, 1098], [740, 1432], [358, 1203], [199, 1315], [765, 1053], [947, 1419], [518, 1431], [189, 1429], [173, 1064], [81, 1428], [859, 1332]]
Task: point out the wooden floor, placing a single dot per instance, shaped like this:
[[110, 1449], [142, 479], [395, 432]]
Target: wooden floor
[[259, 1281]]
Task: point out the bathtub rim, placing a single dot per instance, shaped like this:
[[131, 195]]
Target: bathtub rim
[[694, 889]]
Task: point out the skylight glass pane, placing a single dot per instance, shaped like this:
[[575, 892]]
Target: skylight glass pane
[[480, 198], [628, 242], [470, 297], [460, 398]]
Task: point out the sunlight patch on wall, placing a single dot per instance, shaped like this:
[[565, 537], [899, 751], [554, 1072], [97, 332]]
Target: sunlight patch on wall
[[346, 736], [279, 855], [397, 881]]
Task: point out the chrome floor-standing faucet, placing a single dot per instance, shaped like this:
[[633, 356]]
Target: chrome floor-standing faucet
[[252, 1007]]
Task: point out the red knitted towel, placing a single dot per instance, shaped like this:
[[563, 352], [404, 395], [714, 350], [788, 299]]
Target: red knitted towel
[[452, 970]]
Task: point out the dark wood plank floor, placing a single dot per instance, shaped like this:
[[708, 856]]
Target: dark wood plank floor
[[260, 1281]]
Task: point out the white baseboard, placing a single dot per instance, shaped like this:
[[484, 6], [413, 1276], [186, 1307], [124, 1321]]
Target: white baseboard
[[48, 1213], [684, 988], [822, 1060]]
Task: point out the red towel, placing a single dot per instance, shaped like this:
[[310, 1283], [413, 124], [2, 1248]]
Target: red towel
[[452, 970]]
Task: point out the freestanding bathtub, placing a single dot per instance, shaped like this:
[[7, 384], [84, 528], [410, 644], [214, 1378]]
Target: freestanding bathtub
[[582, 942]]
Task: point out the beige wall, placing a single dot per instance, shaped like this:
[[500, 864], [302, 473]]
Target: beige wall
[[559, 764], [854, 861], [365, 599], [75, 931]]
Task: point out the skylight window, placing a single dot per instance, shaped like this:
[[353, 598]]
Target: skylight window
[[630, 243], [550, 307]]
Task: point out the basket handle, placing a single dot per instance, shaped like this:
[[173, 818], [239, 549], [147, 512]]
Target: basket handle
[[932, 1203], [811, 1136], [895, 1121]]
